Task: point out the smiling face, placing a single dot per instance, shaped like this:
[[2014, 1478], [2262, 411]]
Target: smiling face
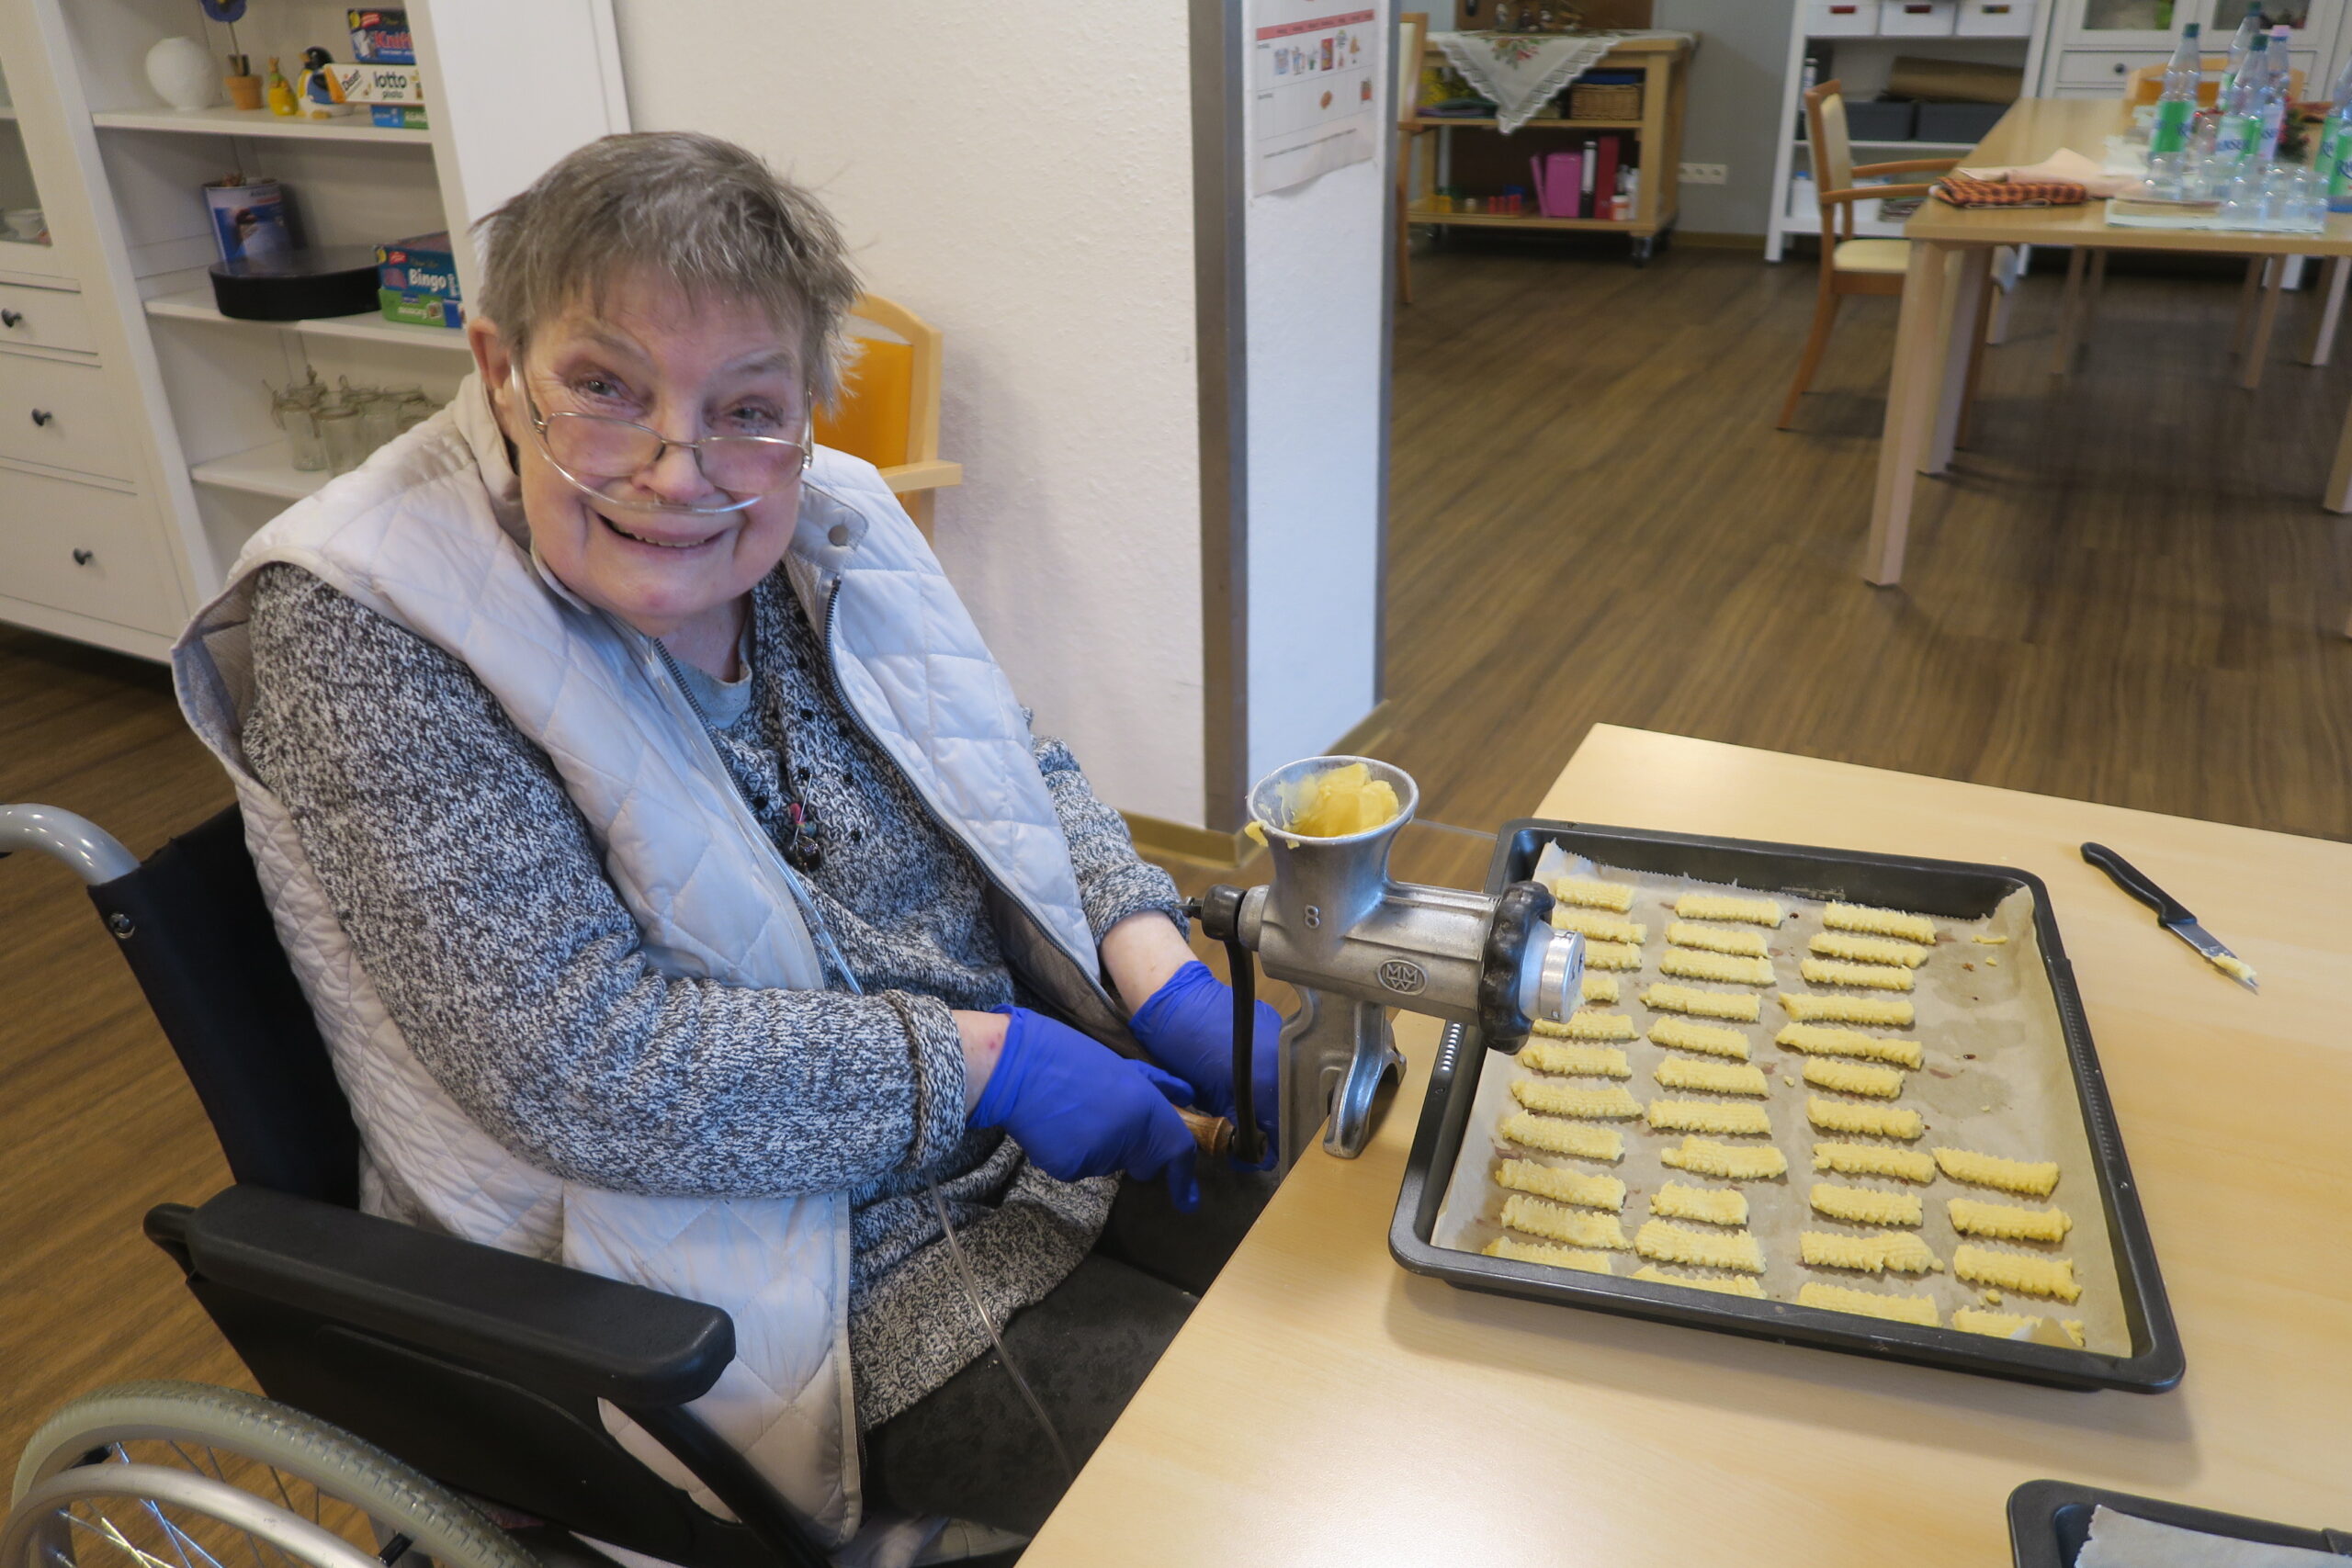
[[689, 368]]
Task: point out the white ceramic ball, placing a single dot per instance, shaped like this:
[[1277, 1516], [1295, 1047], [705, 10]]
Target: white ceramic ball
[[183, 73]]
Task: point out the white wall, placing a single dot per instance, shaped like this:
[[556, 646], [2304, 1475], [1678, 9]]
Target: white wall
[[1734, 113], [1316, 307], [1020, 177]]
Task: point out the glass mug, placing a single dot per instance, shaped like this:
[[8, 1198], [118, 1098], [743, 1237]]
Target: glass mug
[[378, 419], [339, 427], [296, 414]]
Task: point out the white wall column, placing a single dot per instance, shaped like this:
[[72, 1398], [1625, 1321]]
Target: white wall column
[[1310, 267], [1170, 396], [1020, 177]]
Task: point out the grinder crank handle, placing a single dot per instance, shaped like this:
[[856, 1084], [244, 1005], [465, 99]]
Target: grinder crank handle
[[1212, 1133]]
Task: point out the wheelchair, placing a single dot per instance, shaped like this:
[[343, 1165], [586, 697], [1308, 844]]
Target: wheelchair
[[430, 1398]]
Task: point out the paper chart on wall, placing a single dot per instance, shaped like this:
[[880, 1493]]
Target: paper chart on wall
[[1315, 97]]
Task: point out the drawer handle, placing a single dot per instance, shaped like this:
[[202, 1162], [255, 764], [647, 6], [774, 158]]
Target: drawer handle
[[2121, 67], [12, 317], [43, 416], [84, 558]]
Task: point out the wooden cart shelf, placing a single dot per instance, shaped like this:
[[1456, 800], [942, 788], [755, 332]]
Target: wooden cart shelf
[[1655, 140], [1445, 121], [1521, 220]]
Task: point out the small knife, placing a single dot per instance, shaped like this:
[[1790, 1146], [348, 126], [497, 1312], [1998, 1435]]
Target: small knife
[[2171, 913]]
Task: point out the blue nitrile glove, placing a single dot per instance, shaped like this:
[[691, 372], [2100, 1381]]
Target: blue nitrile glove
[[1080, 1109], [1188, 1026]]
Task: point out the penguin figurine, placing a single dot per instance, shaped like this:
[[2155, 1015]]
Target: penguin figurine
[[321, 95]]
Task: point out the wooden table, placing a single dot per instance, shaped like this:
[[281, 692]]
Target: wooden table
[[1323, 1405], [1950, 253]]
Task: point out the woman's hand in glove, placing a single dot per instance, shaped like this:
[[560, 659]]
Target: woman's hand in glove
[[1188, 1027], [1079, 1109]]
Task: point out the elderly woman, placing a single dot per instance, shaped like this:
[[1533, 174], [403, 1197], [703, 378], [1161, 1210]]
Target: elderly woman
[[680, 888]]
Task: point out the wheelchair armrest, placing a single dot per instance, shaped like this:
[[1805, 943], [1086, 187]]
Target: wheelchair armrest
[[537, 1322]]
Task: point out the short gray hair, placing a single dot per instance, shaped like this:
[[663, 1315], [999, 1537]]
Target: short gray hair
[[704, 212]]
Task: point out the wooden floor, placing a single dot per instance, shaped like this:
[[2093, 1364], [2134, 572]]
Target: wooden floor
[[96, 1122], [2127, 591], [2123, 594]]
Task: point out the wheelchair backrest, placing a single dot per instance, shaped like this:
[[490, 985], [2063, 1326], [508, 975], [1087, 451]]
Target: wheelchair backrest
[[199, 937], [417, 1373]]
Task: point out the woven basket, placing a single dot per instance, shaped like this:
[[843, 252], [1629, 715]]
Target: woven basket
[[1613, 102]]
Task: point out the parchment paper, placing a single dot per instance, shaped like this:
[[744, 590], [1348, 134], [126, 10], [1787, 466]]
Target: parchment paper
[[1997, 1080], [2125, 1541]]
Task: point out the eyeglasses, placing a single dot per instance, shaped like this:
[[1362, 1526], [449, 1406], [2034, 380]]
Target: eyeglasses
[[591, 451]]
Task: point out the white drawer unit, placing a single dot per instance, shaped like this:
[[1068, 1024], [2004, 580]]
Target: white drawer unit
[[76, 548], [57, 415], [1917, 18], [44, 318], [2101, 68], [2111, 70], [1995, 19], [1841, 18]]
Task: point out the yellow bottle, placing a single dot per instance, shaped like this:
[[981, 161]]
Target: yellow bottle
[[281, 92]]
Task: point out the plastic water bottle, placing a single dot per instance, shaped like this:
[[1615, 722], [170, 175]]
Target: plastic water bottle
[[2278, 89], [2176, 110], [2335, 166], [2240, 137], [2241, 45], [2335, 174], [2335, 144]]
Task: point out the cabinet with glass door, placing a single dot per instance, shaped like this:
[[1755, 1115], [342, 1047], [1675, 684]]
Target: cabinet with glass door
[[24, 225], [2096, 44]]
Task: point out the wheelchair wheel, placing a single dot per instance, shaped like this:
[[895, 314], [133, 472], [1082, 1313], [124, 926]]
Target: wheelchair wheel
[[188, 1475]]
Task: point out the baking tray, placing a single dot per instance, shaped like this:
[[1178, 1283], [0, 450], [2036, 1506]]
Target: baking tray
[[1954, 889], [2049, 1521]]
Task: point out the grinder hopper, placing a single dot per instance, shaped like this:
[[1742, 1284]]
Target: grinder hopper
[[1355, 942]]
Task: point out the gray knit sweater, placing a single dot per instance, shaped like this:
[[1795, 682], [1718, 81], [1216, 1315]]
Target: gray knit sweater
[[473, 895]]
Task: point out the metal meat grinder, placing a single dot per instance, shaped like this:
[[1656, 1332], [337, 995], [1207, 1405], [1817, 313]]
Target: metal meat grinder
[[1355, 943]]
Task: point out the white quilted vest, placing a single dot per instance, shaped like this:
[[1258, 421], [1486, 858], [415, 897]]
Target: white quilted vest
[[429, 534]]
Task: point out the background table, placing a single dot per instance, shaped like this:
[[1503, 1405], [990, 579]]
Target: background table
[[1323, 1405], [1950, 251]]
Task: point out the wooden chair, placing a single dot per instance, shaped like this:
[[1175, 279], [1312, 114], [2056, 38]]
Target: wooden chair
[[1849, 265], [1412, 36], [2146, 85], [888, 412]]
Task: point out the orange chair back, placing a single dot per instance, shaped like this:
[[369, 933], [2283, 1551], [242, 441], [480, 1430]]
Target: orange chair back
[[874, 417], [1832, 151], [1833, 147]]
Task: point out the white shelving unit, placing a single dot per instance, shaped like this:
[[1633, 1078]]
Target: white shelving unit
[[264, 470], [196, 305], [1863, 63], [119, 177], [225, 121]]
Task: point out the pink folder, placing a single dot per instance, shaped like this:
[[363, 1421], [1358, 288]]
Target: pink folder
[[1559, 180]]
